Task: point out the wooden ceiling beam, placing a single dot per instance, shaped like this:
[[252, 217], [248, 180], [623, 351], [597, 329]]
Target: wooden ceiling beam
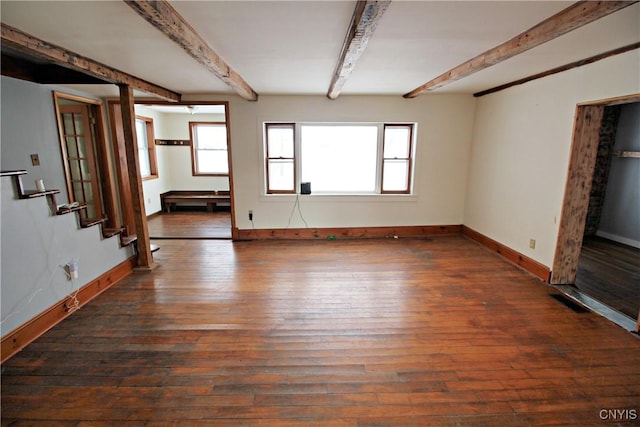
[[165, 18], [365, 18], [580, 63], [569, 19], [31, 46]]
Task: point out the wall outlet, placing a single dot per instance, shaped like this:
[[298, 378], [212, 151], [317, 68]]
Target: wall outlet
[[250, 215], [532, 243]]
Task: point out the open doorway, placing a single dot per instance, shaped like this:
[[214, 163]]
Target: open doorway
[[185, 162], [592, 255], [609, 263]]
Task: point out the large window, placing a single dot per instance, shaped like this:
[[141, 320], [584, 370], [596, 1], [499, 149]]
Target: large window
[[146, 148], [209, 148], [339, 158]]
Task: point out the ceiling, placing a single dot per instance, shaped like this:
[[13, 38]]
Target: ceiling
[[292, 47]]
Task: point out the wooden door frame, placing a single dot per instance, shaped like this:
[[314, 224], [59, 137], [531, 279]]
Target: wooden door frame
[[234, 230], [584, 149], [103, 156]]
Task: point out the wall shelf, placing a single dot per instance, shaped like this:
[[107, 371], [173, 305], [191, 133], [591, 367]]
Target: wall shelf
[[13, 173], [32, 194], [64, 211], [628, 154]]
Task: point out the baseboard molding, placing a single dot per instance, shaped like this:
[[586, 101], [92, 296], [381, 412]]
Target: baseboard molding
[[619, 239], [19, 338], [347, 232], [534, 267]]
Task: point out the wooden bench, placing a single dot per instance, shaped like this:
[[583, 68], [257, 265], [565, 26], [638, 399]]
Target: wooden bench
[[172, 198]]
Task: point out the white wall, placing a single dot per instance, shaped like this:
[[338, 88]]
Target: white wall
[[442, 152], [35, 243], [520, 152], [174, 162], [620, 218]]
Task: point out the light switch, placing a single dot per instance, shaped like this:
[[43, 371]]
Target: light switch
[[35, 160]]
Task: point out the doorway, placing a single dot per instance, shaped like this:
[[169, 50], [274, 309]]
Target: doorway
[[178, 163], [582, 169]]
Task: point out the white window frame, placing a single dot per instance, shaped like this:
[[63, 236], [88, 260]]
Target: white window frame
[[379, 157]]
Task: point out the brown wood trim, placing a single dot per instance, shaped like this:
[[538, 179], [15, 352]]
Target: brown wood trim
[[347, 232], [575, 16], [13, 38], [560, 69], [534, 267], [22, 336], [364, 21], [168, 21]]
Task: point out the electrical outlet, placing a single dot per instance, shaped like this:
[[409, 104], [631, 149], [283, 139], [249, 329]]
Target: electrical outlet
[[250, 215], [532, 243]]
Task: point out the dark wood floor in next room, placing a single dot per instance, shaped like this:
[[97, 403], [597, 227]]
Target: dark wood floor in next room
[[389, 332]]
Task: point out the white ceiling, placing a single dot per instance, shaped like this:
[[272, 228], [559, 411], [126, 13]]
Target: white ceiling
[[291, 47]]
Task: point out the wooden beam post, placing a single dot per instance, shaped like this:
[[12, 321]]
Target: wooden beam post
[[29, 45], [145, 257], [569, 19], [584, 150], [167, 20], [365, 18]]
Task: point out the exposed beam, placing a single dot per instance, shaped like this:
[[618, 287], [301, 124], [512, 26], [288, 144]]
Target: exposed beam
[[24, 69], [29, 45], [165, 18], [591, 59], [569, 19], [365, 18]]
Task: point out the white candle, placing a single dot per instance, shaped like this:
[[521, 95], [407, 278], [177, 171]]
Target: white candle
[[39, 185]]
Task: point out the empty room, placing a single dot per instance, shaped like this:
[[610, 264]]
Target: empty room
[[320, 213]]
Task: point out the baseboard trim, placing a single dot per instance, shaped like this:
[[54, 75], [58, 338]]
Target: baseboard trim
[[347, 232], [534, 267], [22, 336]]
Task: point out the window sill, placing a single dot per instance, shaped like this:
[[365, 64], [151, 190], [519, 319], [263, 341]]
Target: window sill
[[337, 198]]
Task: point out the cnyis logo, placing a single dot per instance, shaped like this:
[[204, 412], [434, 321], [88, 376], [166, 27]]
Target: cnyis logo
[[618, 414]]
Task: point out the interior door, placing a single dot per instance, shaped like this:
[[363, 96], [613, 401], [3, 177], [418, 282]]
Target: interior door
[[80, 162]]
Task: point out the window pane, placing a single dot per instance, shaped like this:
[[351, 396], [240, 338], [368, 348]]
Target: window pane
[[212, 161], [78, 195], [141, 133], [82, 149], [396, 142], [280, 140], [211, 137], [339, 158], [145, 165], [395, 175], [74, 167], [281, 175], [85, 173], [72, 151]]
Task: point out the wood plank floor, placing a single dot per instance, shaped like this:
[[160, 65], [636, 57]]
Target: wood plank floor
[[610, 272], [397, 332], [191, 225]]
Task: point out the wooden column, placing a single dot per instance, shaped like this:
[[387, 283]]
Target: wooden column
[[584, 149], [145, 258]]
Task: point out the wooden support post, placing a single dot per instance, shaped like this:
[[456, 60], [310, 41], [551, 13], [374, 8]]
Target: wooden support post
[[145, 258], [573, 218]]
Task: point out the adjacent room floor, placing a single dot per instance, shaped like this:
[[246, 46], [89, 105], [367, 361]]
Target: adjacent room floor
[[610, 272], [389, 332], [191, 224]]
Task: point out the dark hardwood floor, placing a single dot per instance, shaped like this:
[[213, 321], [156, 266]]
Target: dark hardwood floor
[[395, 332], [610, 272], [191, 225]]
